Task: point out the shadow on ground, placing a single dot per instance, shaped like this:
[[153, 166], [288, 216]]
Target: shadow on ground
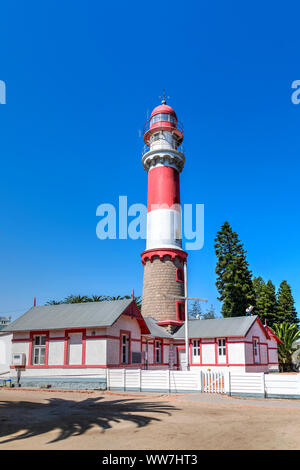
[[73, 418]]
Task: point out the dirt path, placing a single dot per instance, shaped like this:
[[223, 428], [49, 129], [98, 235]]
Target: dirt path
[[66, 420]]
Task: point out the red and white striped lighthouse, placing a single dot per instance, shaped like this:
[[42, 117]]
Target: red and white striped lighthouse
[[164, 257]]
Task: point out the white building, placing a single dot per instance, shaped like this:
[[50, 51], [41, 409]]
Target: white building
[[71, 345]]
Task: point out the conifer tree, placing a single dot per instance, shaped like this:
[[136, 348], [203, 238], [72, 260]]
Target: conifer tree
[[195, 311], [267, 304], [234, 279], [210, 313], [258, 285], [286, 311]]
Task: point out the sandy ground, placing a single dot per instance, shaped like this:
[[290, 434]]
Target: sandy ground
[[72, 420]]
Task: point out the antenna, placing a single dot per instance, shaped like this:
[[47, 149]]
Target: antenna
[[164, 97]]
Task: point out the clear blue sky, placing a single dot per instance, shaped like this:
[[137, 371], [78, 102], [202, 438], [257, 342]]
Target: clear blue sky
[[80, 79]]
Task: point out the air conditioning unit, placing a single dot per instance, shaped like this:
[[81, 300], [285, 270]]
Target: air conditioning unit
[[18, 359], [136, 358]]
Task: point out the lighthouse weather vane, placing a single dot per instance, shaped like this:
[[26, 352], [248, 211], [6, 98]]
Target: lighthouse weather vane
[[164, 97]]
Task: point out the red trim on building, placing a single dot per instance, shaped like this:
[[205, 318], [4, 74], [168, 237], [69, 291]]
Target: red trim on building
[[133, 312], [148, 255], [272, 335], [128, 333], [169, 322]]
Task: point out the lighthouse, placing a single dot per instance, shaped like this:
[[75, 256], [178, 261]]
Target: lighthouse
[[164, 258]]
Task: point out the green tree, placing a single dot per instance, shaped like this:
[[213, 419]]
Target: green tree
[[287, 333], [286, 311], [265, 301], [53, 302], [210, 313], [258, 285], [234, 278], [97, 298], [75, 299]]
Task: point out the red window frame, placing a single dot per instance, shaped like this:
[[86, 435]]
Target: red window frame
[[180, 310], [127, 333], [179, 275]]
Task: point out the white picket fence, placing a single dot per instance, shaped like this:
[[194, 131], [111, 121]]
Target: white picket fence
[[168, 381], [239, 384]]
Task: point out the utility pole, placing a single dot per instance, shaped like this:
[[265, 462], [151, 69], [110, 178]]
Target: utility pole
[[186, 323]]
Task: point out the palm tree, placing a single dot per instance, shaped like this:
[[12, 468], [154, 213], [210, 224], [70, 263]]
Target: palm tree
[[97, 298], [288, 334], [75, 299]]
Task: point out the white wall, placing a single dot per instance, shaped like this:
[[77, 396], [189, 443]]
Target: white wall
[[5, 352], [262, 365], [124, 323]]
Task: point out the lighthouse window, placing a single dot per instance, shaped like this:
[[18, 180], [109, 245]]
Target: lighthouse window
[[179, 275], [162, 117], [180, 311], [155, 137], [165, 117], [155, 119]]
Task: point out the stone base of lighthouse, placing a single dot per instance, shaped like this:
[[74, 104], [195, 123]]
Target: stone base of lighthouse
[[163, 275]]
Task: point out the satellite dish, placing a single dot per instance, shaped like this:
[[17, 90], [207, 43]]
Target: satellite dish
[[249, 309]]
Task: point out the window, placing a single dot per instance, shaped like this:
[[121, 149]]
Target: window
[[39, 350], [163, 117], [125, 349], [221, 351], [158, 352], [196, 347], [180, 311], [256, 350], [179, 275], [155, 137]]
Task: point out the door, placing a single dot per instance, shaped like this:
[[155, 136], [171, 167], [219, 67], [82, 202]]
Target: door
[[181, 358]]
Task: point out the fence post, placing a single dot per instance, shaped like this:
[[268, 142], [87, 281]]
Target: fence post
[[200, 381], [227, 382], [263, 384], [140, 380], [169, 381], [124, 379], [107, 379]]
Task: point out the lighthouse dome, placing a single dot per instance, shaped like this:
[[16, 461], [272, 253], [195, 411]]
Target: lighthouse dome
[[163, 109]]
